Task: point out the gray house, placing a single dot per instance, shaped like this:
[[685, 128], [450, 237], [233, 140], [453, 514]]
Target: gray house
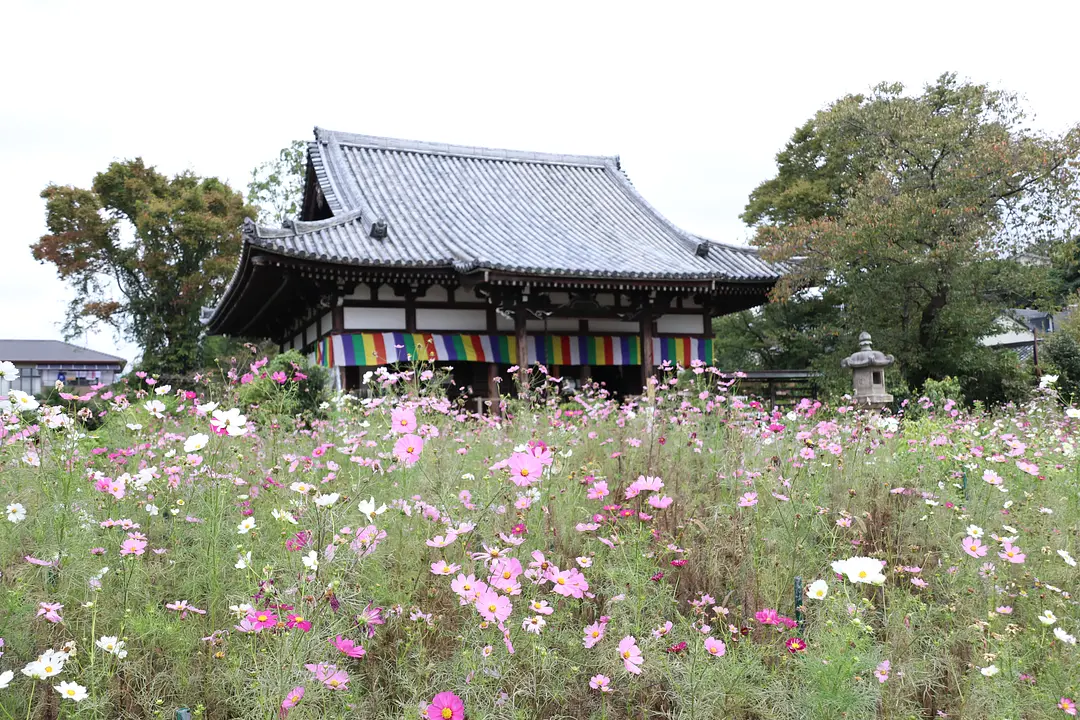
[[42, 362]]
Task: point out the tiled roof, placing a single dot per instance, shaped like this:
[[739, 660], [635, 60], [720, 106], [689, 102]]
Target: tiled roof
[[53, 351], [413, 204]]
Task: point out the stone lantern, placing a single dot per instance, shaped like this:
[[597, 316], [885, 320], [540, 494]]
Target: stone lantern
[[868, 371]]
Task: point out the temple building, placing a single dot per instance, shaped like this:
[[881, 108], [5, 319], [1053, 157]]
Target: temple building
[[483, 259]]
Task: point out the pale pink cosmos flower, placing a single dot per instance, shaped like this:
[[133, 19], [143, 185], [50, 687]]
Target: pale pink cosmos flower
[[594, 633], [660, 503], [715, 647], [974, 547], [402, 421], [467, 588], [882, 671], [132, 546], [492, 606], [50, 611], [601, 683], [568, 583], [598, 491], [442, 568], [525, 469], [408, 448], [291, 699], [749, 499], [1012, 553], [631, 655], [182, 607], [329, 675]]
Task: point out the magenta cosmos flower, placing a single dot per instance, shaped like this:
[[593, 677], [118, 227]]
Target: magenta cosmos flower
[[446, 706], [408, 448], [631, 655], [348, 647], [290, 701]]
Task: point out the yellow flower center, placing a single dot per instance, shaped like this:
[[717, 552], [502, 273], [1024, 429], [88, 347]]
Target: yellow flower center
[[524, 472], [626, 654], [506, 575], [467, 588], [492, 608], [409, 449], [447, 713], [299, 619], [561, 581], [48, 668], [714, 650], [595, 633], [334, 683], [862, 573], [263, 618], [70, 691]]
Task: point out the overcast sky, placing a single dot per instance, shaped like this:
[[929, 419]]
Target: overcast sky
[[695, 98]]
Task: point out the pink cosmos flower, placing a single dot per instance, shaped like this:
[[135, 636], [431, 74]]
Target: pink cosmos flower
[[329, 675], [402, 421], [593, 634], [446, 706], [347, 647], [298, 622], [525, 469], [660, 502], [768, 616], [442, 568], [50, 611], [408, 448], [505, 572], [601, 683], [182, 607], [1067, 705], [291, 699], [262, 619], [715, 647], [467, 588], [1012, 553], [882, 671], [974, 548], [1004, 610], [598, 491], [569, 583], [492, 606], [748, 499], [631, 655], [132, 546]]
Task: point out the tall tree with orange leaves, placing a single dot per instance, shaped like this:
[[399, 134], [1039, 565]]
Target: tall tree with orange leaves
[[144, 253]]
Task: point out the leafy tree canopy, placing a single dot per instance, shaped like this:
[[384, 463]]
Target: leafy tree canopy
[[144, 253], [902, 210], [277, 186]]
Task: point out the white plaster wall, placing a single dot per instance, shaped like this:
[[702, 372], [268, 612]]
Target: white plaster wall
[[312, 333], [435, 293], [439, 319], [554, 325], [463, 295], [364, 318], [327, 322], [614, 326], [362, 292], [680, 324], [503, 323]]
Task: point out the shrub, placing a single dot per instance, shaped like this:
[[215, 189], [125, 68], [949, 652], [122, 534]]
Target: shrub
[[286, 386]]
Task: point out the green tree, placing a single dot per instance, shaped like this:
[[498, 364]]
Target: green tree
[[900, 208], [277, 186], [144, 253]]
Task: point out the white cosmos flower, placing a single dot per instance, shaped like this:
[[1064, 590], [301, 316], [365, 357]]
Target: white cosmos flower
[[206, 408], [1047, 617], [1064, 636], [196, 442], [71, 691], [1064, 556], [134, 427], [112, 644], [49, 663], [243, 561], [241, 610], [326, 500], [368, 508], [163, 389], [22, 402], [990, 670], [155, 408], [974, 531], [284, 515], [152, 509], [860, 570], [8, 371], [16, 512], [234, 423], [818, 589], [301, 487], [247, 525], [1047, 380], [1072, 412], [6, 678], [311, 561]]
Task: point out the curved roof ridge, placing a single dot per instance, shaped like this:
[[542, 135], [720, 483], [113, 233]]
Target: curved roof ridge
[[292, 228], [325, 136]]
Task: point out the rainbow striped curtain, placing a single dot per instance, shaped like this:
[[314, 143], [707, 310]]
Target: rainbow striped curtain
[[391, 347]]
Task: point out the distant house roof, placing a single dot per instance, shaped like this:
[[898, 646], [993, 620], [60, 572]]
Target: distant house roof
[[54, 351]]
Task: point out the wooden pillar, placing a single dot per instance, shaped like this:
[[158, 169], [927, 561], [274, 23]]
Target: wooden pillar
[[522, 343], [646, 344]]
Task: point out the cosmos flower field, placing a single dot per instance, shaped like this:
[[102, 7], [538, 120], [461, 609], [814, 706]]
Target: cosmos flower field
[[688, 554]]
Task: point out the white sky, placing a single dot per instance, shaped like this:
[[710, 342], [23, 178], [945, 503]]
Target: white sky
[[696, 98]]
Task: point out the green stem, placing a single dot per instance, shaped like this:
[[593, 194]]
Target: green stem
[[30, 703]]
